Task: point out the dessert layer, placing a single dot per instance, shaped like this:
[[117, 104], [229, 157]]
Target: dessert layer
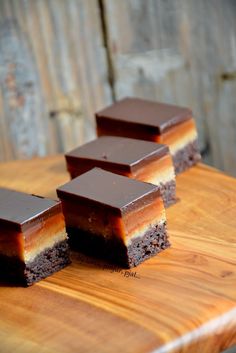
[[143, 113], [179, 136], [40, 236], [47, 262], [114, 250], [44, 236], [112, 153], [19, 210], [125, 129], [100, 188], [154, 240], [139, 221], [156, 172], [108, 225], [168, 193], [175, 137], [11, 243], [75, 172], [186, 157], [92, 219]]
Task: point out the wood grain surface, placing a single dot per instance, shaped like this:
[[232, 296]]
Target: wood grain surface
[[183, 300]]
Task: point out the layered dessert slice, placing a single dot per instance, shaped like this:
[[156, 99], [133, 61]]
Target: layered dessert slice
[[114, 217], [33, 239], [152, 121], [141, 160]]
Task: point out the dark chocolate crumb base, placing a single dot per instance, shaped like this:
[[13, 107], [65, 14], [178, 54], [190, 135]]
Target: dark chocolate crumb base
[[186, 157], [48, 262], [44, 265], [115, 251], [154, 241], [168, 192]]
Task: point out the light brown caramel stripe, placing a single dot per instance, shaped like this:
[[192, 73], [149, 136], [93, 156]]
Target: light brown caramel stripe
[[179, 136], [181, 301], [28, 244], [139, 221], [43, 235], [156, 172], [104, 222]]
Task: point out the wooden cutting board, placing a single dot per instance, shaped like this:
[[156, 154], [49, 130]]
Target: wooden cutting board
[[183, 300]]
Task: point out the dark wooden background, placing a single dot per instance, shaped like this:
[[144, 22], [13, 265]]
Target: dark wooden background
[[60, 60]]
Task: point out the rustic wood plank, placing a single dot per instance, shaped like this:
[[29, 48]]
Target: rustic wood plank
[[53, 75], [182, 52], [183, 300]]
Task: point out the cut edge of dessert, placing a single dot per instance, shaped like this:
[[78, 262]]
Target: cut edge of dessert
[[126, 226], [153, 121], [33, 238], [142, 160]]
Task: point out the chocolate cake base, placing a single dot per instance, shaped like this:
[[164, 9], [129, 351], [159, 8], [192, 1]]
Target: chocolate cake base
[[186, 157], [115, 251], [49, 261], [168, 193]]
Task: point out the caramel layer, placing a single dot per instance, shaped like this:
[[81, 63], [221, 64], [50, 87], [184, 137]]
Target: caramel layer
[[100, 222], [139, 221], [179, 136], [156, 172], [28, 244], [11, 243], [44, 235], [91, 219]]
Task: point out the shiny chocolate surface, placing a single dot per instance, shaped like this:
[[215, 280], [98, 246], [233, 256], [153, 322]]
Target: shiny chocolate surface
[[115, 152], [157, 117], [108, 190], [18, 209]]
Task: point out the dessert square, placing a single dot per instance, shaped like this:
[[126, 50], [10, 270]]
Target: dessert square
[[114, 217], [152, 121], [142, 160], [33, 239]]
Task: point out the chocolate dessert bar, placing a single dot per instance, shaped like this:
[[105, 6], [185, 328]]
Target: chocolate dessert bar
[[152, 121], [142, 160], [114, 217], [33, 239]]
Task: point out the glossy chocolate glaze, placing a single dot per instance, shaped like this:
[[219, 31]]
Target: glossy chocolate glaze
[[150, 116], [105, 189], [116, 153], [19, 210]]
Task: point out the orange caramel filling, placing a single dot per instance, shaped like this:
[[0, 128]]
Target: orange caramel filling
[[38, 237], [92, 219], [178, 136], [139, 221], [156, 172], [44, 235], [103, 222], [11, 243]]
